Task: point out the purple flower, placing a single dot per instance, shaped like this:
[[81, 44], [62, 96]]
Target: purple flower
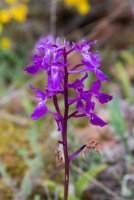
[[53, 84], [95, 87], [38, 92], [90, 59], [44, 44], [96, 121], [40, 110], [33, 69], [55, 79], [78, 84], [102, 97], [52, 59], [101, 76]]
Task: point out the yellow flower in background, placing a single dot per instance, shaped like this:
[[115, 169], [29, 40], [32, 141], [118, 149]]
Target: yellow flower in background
[[74, 2], [70, 2], [5, 16], [19, 12], [1, 27], [83, 8], [5, 43], [10, 1], [25, 1]]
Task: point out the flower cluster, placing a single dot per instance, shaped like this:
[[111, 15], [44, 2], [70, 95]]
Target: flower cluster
[[16, 10], [52, 58], [12, 10]]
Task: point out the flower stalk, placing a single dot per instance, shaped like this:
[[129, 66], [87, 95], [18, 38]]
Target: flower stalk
[[64, 133]]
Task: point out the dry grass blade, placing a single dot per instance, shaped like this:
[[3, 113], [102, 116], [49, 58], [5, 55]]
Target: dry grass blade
[[14, 118]]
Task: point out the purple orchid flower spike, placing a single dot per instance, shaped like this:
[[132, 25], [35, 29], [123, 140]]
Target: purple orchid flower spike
[[52, 59]]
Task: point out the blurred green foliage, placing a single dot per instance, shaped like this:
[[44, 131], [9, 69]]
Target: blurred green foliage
[[124, 80], [117, 120], [11, 69], [84, 180]]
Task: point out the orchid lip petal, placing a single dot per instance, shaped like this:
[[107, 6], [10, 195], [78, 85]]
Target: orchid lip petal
[[39, 111], [31, 69], [101, 76], [104, 98], [95, 120]]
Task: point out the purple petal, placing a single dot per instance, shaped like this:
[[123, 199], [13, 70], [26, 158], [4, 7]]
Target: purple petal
[[43, 43], [71, 85], [54, 72], [32, 69], [84, 77], [101, 76], [91, 60], [90, 105], [38, 92], [87, 61], [46, 59], [58, 41], [96, 121], [39, 111], [104, 98], [54, 84], [76, 46], [32, 87], [37, 60], [92, 43], [78, 84], [80, 106], [66, 44], [95, 87], [72, 100]]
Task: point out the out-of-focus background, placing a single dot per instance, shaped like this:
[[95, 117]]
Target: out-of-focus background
[[27, 149]]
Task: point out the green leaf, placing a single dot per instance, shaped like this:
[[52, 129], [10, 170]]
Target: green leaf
[[37, 197], [50, 184], [27, 105], [26, 186], [71, 197], [53, 186], [24, 154], [124, 80], [84, 180], [128, 57], [117, 120]]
